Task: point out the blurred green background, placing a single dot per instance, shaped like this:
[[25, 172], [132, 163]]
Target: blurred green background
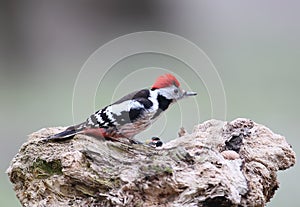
[[254, 45]]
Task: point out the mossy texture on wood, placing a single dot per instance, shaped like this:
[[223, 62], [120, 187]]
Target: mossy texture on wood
[[218, 164]]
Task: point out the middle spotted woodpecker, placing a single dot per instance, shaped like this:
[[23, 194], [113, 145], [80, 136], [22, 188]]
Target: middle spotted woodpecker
[[131, 114]]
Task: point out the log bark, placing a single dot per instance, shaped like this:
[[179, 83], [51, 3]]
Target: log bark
[[218, 164]]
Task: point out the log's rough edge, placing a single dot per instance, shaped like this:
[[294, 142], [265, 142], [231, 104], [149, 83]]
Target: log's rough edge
[[218, 164]]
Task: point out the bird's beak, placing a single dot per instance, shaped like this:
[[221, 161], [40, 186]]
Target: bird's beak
[[189, 93]]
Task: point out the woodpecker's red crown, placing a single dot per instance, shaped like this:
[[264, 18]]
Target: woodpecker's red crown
[[165, 81]]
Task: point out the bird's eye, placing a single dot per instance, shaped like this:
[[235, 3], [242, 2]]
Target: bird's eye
[[175, 90]]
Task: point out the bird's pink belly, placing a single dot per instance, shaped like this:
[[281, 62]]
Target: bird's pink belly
[[131, 129]]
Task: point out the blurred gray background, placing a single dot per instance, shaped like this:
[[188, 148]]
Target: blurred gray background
[[254, 45]]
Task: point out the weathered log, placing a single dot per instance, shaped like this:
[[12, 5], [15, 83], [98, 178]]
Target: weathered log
[[218, 164]]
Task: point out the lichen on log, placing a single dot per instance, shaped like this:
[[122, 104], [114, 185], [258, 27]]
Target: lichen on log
[[218, 164]]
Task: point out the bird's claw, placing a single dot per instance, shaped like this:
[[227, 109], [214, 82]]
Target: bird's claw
[[154, 142]]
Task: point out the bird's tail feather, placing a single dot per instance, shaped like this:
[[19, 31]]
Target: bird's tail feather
[[69, 133]]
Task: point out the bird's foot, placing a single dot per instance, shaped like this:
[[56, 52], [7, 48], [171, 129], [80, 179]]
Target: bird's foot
[[154, 142]]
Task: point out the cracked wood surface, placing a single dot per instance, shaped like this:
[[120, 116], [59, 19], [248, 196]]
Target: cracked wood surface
[[218, 164]]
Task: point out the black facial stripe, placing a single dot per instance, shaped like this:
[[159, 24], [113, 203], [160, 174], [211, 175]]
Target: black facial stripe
[[163, 104]]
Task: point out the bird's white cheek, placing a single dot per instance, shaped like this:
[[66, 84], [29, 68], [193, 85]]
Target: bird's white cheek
[[153, 99]]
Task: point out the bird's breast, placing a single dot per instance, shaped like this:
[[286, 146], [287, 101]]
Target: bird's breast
[[140, 124]]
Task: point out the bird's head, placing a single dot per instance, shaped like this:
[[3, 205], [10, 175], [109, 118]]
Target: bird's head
[[169, 87]]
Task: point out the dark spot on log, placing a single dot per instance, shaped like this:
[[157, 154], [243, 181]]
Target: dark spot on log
[[234, 143], [219, 201]]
